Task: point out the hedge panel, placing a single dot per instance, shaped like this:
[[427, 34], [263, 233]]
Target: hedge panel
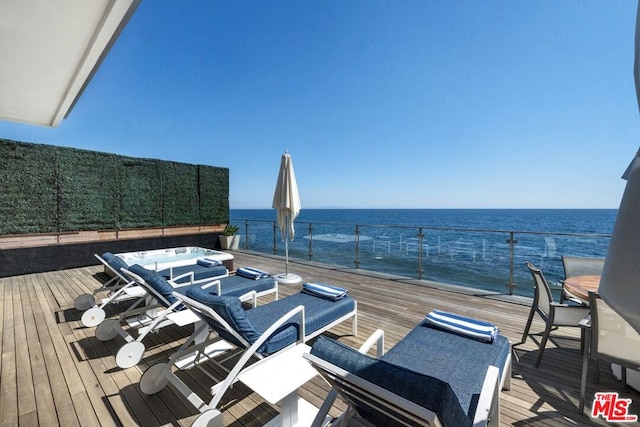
[[87, 190], [28, 188], [180, 199], [140, 193], [214, 195]]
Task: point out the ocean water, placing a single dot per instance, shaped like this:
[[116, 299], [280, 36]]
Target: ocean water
[[468, 247]]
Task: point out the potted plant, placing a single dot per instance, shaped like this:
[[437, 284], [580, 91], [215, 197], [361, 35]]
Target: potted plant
[[229, 239]]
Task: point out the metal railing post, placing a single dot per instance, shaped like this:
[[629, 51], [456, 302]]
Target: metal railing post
[[275, 247], [511, 241], [357, 254], [246, 235], [310, 242], [420, 240]]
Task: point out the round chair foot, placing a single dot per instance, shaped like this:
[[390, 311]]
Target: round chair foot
[[107, 330], [93, 317], [153, 380], [130, 354], [84, 302]]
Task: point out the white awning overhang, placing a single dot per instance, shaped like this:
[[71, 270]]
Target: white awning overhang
[[50, 49]]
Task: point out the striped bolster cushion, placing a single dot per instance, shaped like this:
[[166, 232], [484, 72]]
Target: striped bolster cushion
[[209, 262], [251, 273], [321, 290], [466, 326]]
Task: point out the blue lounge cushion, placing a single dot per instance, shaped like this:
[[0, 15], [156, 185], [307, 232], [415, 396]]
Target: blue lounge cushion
[[199, 272], [230, 286], [250, 324], [465, 326], [114, 261], [157, 282], [237, 285], [231, 310], [460, 361], [322, 290], [427, 391], [318, 313]]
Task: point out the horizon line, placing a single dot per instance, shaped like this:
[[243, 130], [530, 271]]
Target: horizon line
[[441, 208]]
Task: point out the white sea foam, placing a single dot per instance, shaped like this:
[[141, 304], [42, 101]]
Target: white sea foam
[[339, 238]]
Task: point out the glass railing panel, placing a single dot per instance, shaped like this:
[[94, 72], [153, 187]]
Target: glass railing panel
[[256, 235], [391, 250], [487, 260], [332, 244], [475, 259]]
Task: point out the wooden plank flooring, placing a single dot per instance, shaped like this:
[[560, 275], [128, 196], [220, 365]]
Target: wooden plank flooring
[[53, 371]]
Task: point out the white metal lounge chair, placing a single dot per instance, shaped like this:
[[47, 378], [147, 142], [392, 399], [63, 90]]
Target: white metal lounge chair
[[121, 288], [166, 309], [261, 332], [432, 377], [86, 301]]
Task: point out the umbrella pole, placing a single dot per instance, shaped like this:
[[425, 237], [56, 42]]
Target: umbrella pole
[[287, 278], [286, 249]]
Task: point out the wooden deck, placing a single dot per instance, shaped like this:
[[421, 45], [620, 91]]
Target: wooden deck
[[55, 372]]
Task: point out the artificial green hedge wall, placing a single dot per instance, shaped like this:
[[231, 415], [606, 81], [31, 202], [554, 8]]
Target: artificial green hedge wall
[[45, 189], [140, 177], [28, 184]]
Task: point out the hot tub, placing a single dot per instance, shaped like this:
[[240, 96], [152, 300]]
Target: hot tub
[[159, 259]]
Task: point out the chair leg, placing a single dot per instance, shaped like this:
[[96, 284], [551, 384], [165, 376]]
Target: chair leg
[[324, 409], [585, 369], [543, 343], [525, 334]]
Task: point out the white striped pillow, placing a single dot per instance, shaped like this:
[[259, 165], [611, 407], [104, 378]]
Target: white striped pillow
[[466, 326]]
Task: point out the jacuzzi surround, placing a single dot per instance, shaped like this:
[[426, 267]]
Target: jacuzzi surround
[[159, 259]]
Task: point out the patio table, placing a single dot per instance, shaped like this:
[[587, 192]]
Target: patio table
[[579, 286], [277, 380]]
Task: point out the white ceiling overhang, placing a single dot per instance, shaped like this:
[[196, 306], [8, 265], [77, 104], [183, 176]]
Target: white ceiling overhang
[[50, 49]]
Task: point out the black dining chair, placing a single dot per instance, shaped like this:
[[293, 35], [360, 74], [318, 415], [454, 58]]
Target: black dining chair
[[552, 313], [612, 339]]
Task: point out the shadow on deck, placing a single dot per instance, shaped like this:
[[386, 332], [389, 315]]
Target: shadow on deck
[[55, 372]]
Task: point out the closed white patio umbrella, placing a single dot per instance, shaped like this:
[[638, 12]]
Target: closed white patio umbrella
[[286, 202], [620, 282]]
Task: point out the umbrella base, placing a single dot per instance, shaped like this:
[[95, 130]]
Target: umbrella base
[[288, 279]]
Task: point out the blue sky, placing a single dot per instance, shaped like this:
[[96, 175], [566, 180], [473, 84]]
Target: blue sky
[[382, 104]]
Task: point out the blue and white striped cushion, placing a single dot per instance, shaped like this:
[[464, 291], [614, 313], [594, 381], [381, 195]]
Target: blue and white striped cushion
[[466, 326], [321, 290], [252, 273], [209, 262]]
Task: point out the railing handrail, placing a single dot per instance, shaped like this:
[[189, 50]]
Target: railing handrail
[[475, 230]]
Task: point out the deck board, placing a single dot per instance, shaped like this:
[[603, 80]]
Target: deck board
[[46, 410], [53, 371], [8, 373], [24, 369]]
